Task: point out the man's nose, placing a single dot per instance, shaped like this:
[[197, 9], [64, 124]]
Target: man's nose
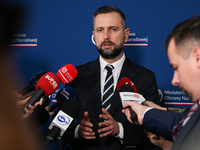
[[106, 35], [175, 79]]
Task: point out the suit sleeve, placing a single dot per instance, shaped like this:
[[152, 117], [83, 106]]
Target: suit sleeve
[[162, 122]]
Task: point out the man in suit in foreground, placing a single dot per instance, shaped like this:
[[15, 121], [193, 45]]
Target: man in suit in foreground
[[183, 48], [107, 128]]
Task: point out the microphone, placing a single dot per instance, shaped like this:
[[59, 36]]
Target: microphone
[[127, 89], [45, 101], [32, 83], [67, 73], [128, 92], [62, 96], [126, 80], [45, 86], [62, 120]]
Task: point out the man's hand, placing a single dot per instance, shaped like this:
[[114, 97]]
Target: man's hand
[[85, 128], [47, 109], [21, 101], [137, 108], [159, 141], [110, 126]]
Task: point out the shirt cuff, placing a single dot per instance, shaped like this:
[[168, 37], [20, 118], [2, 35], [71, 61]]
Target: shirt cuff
[[121, 132], [76, 132]]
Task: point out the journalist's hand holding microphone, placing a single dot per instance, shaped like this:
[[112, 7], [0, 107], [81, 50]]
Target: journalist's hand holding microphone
[[21, 101], [137, 108]]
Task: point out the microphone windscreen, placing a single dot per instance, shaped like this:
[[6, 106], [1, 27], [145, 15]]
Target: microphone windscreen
[[67, 73], [71, 107], [126, 88], [65, 94], [126, 80], [33, 81], [48, 83]]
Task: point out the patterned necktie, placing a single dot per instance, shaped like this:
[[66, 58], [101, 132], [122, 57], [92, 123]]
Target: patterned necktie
[[179, 125], [108, 88]]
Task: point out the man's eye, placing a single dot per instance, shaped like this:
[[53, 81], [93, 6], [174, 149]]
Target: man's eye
[[175, 68], [113, 29]]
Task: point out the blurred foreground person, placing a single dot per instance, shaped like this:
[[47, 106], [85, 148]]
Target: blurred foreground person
[[14, 135]]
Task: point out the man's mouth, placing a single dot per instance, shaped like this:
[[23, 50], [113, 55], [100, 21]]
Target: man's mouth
[[107, 45]]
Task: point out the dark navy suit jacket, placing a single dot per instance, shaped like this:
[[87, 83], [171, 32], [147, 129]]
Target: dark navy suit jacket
[[87, 86]]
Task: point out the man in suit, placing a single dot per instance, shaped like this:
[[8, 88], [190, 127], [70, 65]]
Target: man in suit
[[183, 48], [107, 128]]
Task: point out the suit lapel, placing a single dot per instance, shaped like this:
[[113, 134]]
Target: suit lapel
[[93, 81]]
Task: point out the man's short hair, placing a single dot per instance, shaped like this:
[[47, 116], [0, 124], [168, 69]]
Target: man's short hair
[[186, 31], [109, 9]]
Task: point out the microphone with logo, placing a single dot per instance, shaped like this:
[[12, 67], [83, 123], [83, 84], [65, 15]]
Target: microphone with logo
[[127, 93], [62, 120], [32, 83], [67, 73], [62, 96], [45, 86]]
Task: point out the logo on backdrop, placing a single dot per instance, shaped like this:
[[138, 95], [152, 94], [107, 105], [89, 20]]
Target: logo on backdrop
[[176, 98], [22, 40], [133, 40]]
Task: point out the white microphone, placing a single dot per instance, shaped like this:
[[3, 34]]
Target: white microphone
[[62, 120]]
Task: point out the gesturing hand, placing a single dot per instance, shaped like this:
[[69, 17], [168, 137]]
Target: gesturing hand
[[110, 126], [85, 128]]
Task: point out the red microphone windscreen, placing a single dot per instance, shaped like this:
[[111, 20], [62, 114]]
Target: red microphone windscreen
[[49, 82], [67, 73], [126, 80]]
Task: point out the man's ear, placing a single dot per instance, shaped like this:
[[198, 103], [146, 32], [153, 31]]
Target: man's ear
[[196, 55], [93, 33], [126, 32]]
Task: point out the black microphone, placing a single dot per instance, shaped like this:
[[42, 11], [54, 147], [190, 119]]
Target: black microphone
[[32, 83], [62, 120]]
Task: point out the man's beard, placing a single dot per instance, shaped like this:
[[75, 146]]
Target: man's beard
[[110, 53], [188, 94]]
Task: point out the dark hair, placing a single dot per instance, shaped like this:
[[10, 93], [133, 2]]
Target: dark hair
[[185, 31], [108, 9]]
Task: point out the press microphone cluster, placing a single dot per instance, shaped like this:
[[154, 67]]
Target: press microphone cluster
[[40, 115], [49, 82], [128, 92]]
